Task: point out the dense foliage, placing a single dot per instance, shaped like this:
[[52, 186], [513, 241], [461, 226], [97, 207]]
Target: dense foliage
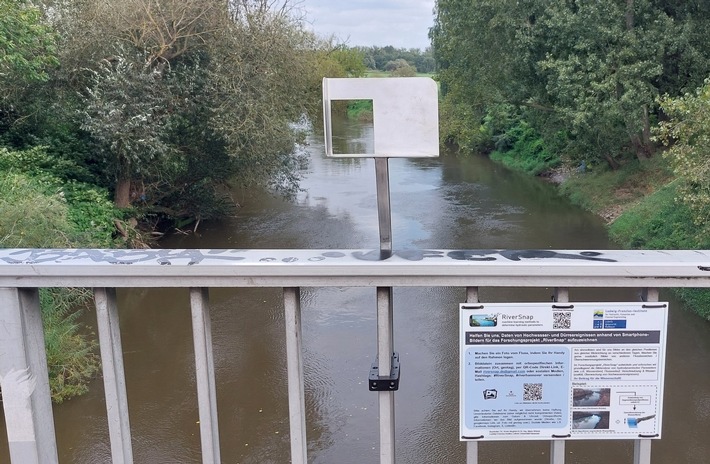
[[687, 133], [166, 104], [585, 75], [115, 112]]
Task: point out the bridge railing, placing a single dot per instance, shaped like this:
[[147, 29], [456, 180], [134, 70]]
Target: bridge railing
[[23, 366]]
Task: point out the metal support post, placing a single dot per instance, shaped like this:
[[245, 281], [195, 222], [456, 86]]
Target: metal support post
[[114, 376], [204, 375], [472, 446], [294, 360], [642, 447], [23, 376], [385, 331], [384, 214], [557, 447]]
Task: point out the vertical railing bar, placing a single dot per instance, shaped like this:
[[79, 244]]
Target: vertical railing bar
[[296, 389], [205, 375], [27, 403], [557, 447], [472, 446], [385, 315], [384, 356], [642, 447], [114, 376]]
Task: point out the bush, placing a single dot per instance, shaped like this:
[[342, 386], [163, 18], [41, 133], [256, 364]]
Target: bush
[[31, 218], [523, 149], [460, 125], [36, 211]]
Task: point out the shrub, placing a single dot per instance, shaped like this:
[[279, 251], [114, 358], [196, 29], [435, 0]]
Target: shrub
[[522, 148], [36, 213]]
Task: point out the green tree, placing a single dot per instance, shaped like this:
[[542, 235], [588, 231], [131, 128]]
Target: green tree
[[183, 97], [127, 113], [27, 47], [351, 60], [401, 68], [589, 70], [687, 134]]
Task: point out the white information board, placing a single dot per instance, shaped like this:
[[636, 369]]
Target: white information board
[[532, 371], [405, 114]]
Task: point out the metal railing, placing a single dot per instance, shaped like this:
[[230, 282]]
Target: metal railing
[[23, 366]]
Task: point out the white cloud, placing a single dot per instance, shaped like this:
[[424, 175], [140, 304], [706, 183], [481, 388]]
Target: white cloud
[[401, 23]]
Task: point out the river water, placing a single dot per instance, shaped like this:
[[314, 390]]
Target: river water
[[439, 203]]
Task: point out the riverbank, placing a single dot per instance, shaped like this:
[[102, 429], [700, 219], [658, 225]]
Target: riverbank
[[638, 204]]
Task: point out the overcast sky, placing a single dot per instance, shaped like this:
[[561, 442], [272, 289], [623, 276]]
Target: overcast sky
[[401, 23]]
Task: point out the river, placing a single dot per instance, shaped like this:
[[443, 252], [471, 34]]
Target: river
[[448, 202]]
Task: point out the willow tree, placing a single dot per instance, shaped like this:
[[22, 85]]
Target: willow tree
[[183, 97]]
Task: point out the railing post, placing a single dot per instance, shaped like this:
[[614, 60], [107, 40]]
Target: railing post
[[114, 376], [204, 374], [385, 330], [557, 447], [296, 391], [642, 447], [24, 378], [384, 356], [472, 446]]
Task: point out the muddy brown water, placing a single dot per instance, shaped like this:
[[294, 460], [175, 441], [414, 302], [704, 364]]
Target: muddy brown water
[[440, 203]]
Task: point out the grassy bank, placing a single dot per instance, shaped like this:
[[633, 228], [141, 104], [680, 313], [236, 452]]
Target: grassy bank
[[360, 110], [638, 201]]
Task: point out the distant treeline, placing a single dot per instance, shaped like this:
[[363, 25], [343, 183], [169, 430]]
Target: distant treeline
[[385, 58]]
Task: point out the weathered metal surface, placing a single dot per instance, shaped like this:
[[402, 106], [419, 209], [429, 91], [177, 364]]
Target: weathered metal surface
[[294, 268], [204, 375], [294, 362], [114, 375], [23, 377]]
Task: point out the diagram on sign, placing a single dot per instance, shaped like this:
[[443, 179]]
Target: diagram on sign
[[533, 371]]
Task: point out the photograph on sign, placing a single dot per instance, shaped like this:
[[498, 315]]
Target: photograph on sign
[[536, 371], [405, 115]]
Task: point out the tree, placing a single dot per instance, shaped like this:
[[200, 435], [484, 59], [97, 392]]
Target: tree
[[589, 70], [351, 60], [183, 97], [27, 56], [127, 111], [687, 134], [27, 47], [402, 68]]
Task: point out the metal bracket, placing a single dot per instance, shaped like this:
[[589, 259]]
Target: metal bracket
[[390, 382]]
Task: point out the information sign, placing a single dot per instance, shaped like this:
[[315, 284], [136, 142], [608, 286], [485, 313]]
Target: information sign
[[532, 371], [405, 114]]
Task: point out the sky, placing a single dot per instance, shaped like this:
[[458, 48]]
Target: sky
[[400, 23]]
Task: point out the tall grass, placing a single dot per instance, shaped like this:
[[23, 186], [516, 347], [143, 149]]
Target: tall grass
[[660, 222], [598, 187], [34, 213]]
